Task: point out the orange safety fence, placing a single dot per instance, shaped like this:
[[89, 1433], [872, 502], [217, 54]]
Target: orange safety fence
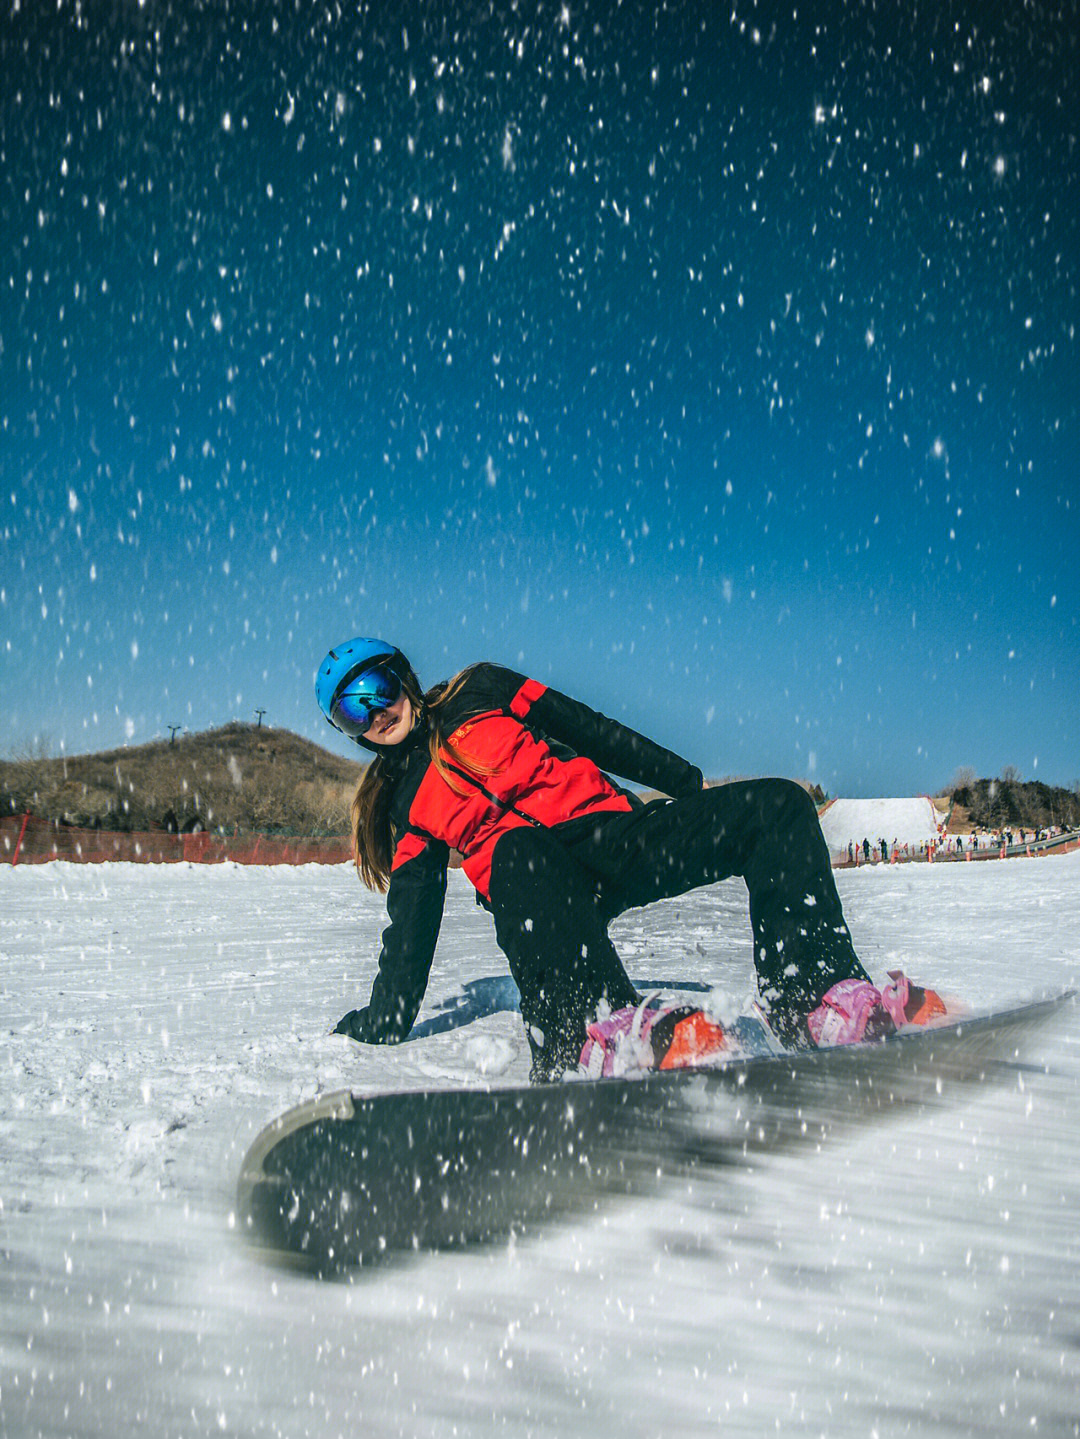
[[1066, 843], [25, 839]]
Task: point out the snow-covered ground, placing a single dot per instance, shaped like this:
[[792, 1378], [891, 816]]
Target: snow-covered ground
[[908, 821], [921, 1277]]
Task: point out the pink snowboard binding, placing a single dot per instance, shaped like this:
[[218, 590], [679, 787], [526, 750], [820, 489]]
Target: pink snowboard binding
[[854, 1010], [656, 1034]]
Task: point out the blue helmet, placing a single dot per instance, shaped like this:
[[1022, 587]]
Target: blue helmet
[[357, 679]]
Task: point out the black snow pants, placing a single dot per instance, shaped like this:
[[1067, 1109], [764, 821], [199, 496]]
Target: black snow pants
[[554, 892]]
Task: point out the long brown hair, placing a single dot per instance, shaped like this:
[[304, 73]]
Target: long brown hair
[[372, 832]]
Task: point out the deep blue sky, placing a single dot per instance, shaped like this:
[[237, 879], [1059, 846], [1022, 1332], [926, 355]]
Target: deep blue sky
[[715, 364]]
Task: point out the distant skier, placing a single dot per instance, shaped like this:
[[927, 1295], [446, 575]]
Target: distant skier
[[511, 774]]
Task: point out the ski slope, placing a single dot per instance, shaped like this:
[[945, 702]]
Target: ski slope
[[920, 1278], [908, 821]]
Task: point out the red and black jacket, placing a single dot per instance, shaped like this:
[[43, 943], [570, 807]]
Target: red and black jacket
[[540, 759]]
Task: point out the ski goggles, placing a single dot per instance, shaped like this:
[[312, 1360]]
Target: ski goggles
[[360, 696]]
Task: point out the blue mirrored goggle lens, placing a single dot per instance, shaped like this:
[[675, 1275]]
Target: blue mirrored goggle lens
[[352, 710]]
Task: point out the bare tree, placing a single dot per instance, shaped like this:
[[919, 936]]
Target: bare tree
[[964, 778]]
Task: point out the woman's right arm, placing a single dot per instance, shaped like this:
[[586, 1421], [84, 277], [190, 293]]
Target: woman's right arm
[[414, 903]]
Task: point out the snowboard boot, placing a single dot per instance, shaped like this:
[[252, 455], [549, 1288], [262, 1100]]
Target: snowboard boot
[[652, 1035], [910, 1004], [854, 1010], [685, 1037]]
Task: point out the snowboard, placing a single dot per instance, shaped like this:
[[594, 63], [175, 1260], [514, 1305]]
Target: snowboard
[[351, 1179]]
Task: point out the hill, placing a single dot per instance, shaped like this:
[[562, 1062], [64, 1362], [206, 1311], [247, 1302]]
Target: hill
[[240, 777]]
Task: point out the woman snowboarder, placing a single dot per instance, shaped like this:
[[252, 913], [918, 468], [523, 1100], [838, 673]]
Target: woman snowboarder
[[514, 776]]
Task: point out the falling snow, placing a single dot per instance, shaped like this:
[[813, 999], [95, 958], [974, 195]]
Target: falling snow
[[738, 310]]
